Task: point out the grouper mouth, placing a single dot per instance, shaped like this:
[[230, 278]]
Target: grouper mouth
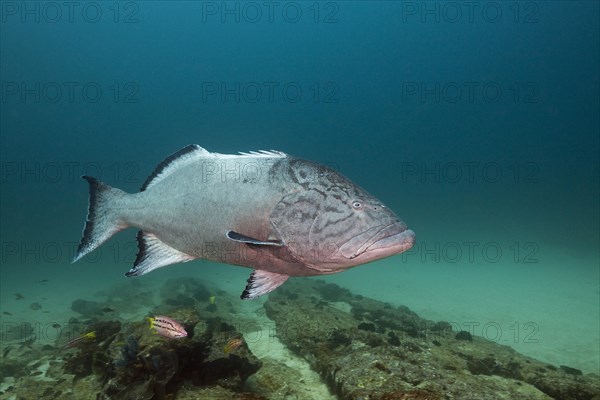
[[387, 240]]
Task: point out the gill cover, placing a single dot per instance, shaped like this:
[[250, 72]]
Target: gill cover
[[303, 222]]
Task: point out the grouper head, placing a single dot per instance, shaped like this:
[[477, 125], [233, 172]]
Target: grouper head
[[331, 224]]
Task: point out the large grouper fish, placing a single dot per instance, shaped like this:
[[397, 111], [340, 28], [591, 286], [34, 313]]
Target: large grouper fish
[[280, 215]]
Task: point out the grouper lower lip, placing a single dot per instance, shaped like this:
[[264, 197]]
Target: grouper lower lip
[[393, 238], [396, 243]]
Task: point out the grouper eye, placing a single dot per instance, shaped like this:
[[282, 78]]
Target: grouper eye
[[358, 205]]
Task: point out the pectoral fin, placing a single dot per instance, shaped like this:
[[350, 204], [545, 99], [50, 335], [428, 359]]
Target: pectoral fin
[[238, 237], [262, 282]]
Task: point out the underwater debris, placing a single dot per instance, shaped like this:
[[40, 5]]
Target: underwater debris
[[35, 306], [19, 296], [7, 313]]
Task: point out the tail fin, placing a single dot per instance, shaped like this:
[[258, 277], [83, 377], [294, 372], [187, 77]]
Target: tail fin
[[102, 220]]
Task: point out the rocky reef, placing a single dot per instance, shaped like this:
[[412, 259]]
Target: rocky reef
[[366, 349], [360, 347], [128, 360]]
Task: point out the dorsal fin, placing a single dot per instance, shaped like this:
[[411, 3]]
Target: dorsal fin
[[192, 153], [175, 161], [263, 153]]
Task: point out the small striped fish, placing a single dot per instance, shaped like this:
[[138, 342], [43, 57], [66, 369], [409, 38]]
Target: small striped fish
[[167, 327], [232, 344]]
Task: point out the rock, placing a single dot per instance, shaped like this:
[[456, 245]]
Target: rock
[[87, 308], [184, 292], [90, 356], [331, 292], [215, 366], [274, 381], [464, 335], [572, 371], [148, 366], [392, 353]]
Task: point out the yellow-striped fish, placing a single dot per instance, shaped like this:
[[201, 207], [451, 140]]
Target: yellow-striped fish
[[86, 337], [167, 327], [232, 344]]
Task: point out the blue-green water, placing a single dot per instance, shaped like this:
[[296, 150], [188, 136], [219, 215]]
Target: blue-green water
[[478, 123]]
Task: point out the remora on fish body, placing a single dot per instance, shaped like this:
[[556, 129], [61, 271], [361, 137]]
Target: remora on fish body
[[280, 215]]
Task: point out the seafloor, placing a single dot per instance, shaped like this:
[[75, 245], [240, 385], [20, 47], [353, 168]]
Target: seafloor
[[308, 340]]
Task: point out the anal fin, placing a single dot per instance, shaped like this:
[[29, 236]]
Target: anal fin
[[153, 254], [262, 282]]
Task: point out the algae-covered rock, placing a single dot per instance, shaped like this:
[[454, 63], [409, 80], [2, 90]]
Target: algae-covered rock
[[377, 351], [146, 365], [128, 360], [89, 356], [184, 292], [87, 308]]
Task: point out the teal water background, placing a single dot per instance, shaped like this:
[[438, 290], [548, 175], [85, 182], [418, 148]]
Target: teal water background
[[478, 125]]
